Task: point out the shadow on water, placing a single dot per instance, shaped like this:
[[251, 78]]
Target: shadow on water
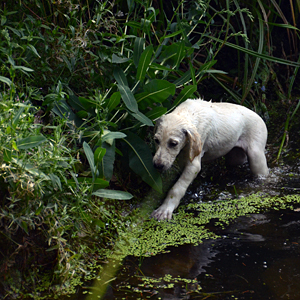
[[256, 256]]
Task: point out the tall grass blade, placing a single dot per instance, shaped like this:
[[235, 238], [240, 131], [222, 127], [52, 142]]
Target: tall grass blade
[[257, 61], [246, 64], [256, 54], [229, 91]]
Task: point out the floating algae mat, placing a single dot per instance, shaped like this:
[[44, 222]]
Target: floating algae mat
[[217, 250], [191, 225]]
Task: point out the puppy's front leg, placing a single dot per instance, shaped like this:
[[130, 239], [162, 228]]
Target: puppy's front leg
[[172, 200]]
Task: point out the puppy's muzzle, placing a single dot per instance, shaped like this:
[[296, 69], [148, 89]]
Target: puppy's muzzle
[[158, 165]]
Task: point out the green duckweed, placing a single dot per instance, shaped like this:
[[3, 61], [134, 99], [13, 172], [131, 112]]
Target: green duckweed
[[188, 225]]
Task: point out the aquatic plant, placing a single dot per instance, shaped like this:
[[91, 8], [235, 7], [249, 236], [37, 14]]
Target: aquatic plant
[[189, 225]]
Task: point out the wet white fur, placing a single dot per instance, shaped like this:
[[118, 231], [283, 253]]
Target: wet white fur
[[204, 131]]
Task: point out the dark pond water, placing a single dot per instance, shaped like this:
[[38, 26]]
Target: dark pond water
[[256, 256]]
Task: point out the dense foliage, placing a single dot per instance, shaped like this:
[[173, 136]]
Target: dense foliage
[[81, 84]]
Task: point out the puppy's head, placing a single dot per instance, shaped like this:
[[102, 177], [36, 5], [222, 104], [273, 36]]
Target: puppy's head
[[172, 134]]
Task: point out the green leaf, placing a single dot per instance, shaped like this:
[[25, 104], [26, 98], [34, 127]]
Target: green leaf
[[206, 67], [19, 113], [99, 154], [128, 98], [3, 20], [119, 60], [157, 90], [98, 183], [131, 5], [120, 77], [133, 24], [90, 157], [173, 54], [52, 248], [288, 26], [63, 110], [75, 103], [216, 72], [140, 161], [113, 101], [30, 142], [106, 166], [56, 183], [144, 63], [185, 94], [180, 54], [192, 69], [34, 50], [171, 35], [25, 69], [6, 80], [99, 223], [142, 118], [109, 136], [23, 225], [138, 49], [160, 67], [68, 63], [7, 155], [112, 194], [185, 78], [156, 112]]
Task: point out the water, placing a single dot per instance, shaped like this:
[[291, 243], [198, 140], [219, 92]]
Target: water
[[256, 257]]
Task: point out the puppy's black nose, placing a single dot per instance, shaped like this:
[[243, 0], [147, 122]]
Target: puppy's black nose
[[158, 165]]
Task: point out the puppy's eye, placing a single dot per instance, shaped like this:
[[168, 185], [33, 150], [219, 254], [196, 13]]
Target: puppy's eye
[[173, 144], [156, 140]]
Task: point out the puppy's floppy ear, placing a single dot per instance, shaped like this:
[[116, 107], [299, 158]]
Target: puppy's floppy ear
[[194, 141]]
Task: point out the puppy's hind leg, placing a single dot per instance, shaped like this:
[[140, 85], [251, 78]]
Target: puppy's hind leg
[[258, 161]]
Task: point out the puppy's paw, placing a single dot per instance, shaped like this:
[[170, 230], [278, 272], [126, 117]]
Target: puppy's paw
[[162, 213]]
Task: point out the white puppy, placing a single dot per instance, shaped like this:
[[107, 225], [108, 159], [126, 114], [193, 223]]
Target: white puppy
[[199, 131]]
